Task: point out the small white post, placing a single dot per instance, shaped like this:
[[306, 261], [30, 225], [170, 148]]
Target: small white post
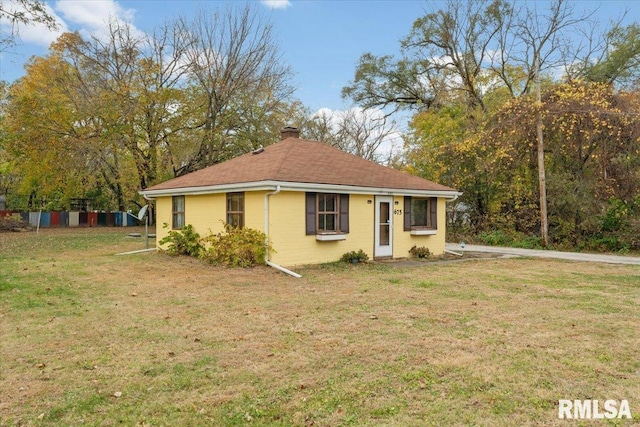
[[38, 227]]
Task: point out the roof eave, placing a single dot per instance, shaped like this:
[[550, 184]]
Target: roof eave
[[298, 186]]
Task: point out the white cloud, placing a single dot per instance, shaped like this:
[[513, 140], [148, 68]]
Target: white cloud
[[373, 118], [93, 14], [92, 17], [330, 116], [36, 33], [89, 17], [276, 4]]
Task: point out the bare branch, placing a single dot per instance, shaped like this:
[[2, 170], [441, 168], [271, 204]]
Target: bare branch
[[26, 13]]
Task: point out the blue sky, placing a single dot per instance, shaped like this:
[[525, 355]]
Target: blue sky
[[322, 40]]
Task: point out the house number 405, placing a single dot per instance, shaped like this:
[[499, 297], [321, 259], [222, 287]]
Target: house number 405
[[397, 211]]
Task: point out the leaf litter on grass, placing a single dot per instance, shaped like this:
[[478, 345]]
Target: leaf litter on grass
[[486, 342]]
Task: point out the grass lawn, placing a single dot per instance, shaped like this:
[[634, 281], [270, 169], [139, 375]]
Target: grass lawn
[[91, 338]]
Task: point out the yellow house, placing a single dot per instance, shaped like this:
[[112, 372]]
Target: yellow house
[[313, 201]]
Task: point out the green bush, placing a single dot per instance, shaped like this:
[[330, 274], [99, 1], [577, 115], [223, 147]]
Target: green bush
[[605, 243], [354, 256], [615, 216], [236, 247], [528, 242], [183, 242], [495, 238], [420, 252]]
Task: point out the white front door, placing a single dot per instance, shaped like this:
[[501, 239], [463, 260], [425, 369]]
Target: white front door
[[383, 227]]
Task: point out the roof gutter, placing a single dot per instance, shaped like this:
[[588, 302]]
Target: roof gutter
[[454, 198], [266, 232], [267, 185]]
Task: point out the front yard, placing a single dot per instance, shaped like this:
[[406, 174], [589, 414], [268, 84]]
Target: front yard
[[91, 338]]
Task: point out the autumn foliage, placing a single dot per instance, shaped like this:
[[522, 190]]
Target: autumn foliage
[[592, 150]]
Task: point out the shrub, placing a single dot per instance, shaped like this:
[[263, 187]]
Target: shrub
[[354, 257], [609, 243], [183, 242], [237, 247], [529, 242], [420, 252], [495, 238], [615, 216]]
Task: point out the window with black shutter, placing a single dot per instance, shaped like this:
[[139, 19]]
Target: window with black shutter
[[326, 213], [344, 213], [310, 213], [420, 213]]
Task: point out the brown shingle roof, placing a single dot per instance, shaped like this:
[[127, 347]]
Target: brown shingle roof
[[301, 161]]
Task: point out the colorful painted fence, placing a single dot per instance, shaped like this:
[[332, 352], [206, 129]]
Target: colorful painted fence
[[74, 219]]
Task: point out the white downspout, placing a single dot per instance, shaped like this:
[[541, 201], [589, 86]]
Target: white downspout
[[146, 224], [266, 232]]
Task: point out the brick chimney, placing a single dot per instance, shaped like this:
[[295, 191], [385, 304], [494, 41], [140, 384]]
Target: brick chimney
[[289, 132]]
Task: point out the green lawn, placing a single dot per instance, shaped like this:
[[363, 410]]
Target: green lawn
[[96, 339]]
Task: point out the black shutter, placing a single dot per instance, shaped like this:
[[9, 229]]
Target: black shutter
[[433, 210], [344, 213], [407, 213], [310, 213]]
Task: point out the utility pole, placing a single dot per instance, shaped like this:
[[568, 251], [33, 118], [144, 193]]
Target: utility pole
[[544, 223]]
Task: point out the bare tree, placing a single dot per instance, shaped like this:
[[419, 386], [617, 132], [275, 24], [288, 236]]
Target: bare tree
[[362, 133], [612, 57], [542, 37], [443, 58], [233, 60], [321, 127], [456, 40], [454, 53], [128, 88], [539, 41], [356, 131], [23, 12]]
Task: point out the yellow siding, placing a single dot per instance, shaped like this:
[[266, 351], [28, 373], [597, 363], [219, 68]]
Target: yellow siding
[[438, 241], [287, 231], [254, 209], [403, 240], [287, 225], [206, 213], [163, 215]]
